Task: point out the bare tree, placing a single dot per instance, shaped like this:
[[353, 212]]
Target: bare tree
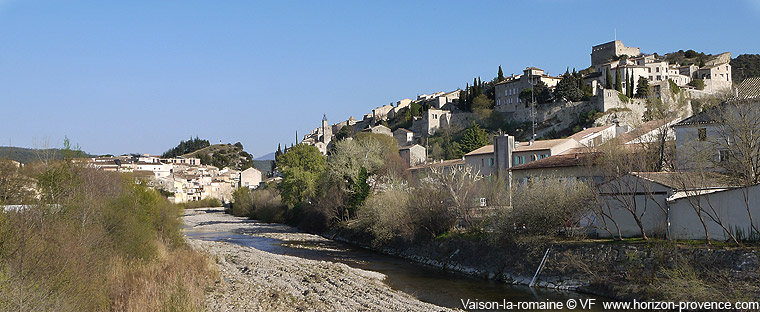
[[461, 183]]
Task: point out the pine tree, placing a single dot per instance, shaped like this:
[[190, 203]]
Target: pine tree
[[500, 76], [618, 82], [642, 90], [608, 79]]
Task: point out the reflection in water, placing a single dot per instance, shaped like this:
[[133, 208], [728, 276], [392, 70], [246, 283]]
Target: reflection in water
[[427, 283]]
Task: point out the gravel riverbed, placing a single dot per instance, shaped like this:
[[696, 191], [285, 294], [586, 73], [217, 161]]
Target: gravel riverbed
[[255, 280]]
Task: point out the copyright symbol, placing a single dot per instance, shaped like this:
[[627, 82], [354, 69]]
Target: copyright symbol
[[571, 304]]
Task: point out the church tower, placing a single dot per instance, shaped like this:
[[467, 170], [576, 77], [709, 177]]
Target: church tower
[[326, 130]]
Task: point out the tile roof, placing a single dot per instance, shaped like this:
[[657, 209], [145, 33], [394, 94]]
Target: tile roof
[[748, 89], [539, 145], [488, 149], [451, 162], [562, 160], [522, 146]]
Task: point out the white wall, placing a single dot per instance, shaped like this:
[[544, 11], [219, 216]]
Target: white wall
[[727, 206]]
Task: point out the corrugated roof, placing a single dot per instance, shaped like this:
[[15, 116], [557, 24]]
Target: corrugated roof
[[686, 180], [586, 132], [642, 130]]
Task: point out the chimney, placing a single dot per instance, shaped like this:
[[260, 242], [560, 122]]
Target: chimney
[[503, 145]]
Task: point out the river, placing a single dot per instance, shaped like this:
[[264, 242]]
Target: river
[[426, 283]]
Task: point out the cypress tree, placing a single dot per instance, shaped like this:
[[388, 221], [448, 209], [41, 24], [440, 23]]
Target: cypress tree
[[608, 79], [630, 85], [500, 76], [618, 83]]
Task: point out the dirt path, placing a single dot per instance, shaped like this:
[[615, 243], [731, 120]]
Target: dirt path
[[254, 280]]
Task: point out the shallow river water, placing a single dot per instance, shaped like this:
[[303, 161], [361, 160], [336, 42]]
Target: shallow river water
[[427, 283]]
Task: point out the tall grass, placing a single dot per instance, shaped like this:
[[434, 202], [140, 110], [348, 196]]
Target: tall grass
[[96, 241]]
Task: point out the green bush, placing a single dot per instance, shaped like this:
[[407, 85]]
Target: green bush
[[203, 203], [699, 84], [86, 243], [262, 204]]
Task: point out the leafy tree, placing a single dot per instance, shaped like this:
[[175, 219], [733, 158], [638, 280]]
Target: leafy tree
[[185, 147], [618, 82], [568, 88], [608, 79], [482, 102], [542, 93], [642, 90], [745, 66], [473, 137], [301, 166], [697, 83], [500, 76]]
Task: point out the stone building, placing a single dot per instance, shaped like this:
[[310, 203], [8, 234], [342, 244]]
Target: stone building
[[413, 155], [609, 51], [507, 92]]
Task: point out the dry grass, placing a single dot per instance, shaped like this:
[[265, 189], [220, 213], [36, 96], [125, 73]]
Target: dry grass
[[175, 281], [97, 242]]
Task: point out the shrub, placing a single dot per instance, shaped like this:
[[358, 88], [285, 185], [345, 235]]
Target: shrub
[[545, 206], [203, 203], [387, 216], [262, 204], [90, 232], [699, 84]]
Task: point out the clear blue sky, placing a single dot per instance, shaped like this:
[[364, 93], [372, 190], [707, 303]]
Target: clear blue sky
[[139, 76]]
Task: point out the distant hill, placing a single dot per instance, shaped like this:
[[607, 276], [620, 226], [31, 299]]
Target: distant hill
[[224, 155], [269, 156], [28, 155]]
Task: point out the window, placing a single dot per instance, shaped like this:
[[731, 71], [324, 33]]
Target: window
[[533, 157], [723, 155], [657, 69], [490, 162], [702, 133], [517, 160]]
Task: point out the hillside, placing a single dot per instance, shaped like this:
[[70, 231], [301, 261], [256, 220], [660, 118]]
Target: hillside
[[224, 155], [28, 155]]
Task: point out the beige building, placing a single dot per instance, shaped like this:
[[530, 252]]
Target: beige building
[[485, 159], [380, 129], [250, 178], [381, 113], [433, 120], [507, 92], [403, 136]]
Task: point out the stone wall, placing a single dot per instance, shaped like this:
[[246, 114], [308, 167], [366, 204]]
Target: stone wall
[[605, 269]]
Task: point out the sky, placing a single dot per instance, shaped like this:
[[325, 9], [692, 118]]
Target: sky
[[121, 77]]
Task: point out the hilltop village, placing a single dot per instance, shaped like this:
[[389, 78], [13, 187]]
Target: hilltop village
[[607, 100]]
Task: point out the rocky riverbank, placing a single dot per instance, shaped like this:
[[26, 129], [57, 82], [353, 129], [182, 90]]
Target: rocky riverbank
[[255, 280]]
